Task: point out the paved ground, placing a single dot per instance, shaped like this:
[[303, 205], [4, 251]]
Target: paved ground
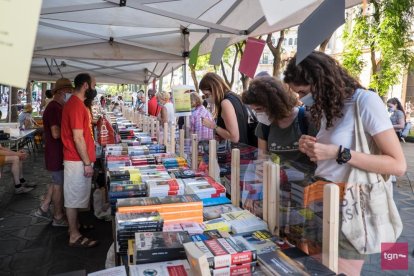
[[30, 246]]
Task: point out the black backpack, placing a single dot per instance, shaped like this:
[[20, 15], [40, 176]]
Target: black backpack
[[303, 125], [251, 127]]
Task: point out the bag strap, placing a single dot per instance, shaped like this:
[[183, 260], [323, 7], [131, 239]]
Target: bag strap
[[361, 143], [303, 125]]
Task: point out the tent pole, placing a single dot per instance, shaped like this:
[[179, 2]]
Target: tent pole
[[185, 72]]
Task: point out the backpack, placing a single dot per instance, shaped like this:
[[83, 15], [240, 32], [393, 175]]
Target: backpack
[[303, 125], [406, 130], [251, 127]]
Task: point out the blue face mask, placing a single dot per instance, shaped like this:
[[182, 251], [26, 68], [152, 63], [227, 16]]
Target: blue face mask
[[391, 109], [67, 97], [307, 100]]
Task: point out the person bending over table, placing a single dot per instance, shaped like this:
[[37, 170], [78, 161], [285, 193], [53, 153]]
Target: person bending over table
[[15, 158]]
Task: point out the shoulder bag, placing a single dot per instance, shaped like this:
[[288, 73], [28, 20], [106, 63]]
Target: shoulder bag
[[369, 214]]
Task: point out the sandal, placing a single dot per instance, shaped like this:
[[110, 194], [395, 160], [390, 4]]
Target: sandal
[[83, 242]]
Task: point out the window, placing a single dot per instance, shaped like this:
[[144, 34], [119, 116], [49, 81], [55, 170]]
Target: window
[[265, 58], [290, 41], [296, 41]]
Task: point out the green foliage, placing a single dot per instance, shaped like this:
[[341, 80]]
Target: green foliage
[[385, 34]]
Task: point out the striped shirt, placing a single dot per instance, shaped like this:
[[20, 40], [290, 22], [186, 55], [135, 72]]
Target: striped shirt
[[203, 133]]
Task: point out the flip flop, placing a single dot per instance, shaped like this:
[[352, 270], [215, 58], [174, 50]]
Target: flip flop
[[83, 242]]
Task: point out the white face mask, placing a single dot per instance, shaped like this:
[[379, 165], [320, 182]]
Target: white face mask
[[307, 100], [263, 118], [67, 97]]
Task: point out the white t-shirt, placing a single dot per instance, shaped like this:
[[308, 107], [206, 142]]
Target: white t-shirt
[[170, 112], [375, 119]]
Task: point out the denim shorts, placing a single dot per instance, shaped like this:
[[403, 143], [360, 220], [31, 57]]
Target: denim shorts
[[57, 177]]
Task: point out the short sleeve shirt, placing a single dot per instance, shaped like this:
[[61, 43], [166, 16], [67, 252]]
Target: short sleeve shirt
[[284, 142], [374, 118], [76, 116], [396, 116], [52, 116]]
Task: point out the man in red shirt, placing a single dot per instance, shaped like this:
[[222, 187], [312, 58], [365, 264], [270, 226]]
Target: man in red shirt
[[52, 117], [78, 156], [153, 107]]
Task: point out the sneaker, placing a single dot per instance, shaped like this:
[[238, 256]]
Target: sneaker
[[42, 214], [22, 190], [60, 222]]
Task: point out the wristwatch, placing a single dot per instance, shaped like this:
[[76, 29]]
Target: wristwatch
[[344, 155]]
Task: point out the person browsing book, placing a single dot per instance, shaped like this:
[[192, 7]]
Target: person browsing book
[[335, 93], [231, 115], [281, 122]]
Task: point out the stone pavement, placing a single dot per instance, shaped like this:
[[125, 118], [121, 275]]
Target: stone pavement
[[31, 246]]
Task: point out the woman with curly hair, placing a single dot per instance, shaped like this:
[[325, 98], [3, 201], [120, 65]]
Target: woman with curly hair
[[397, 115], [281, 122], [228, 109], [335, 93]]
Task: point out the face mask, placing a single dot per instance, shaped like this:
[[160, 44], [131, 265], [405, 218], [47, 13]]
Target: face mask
[[67, 97], [390, 109], [263, 118], [90, 93], [209, 100], [307, 100]]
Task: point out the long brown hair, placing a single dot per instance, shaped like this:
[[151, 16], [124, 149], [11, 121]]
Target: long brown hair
[[218, 88], [330, 84], [396, 102], [270, 94]]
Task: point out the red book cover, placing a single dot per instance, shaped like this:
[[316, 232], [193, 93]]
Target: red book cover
[[251, 56]]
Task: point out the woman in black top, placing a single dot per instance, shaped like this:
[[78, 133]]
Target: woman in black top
[[228, 109]]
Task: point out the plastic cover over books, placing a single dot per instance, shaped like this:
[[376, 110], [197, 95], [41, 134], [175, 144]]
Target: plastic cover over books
[[160, 246], [170, 268]]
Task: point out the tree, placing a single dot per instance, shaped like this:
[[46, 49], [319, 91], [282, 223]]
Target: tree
[[324, 44], [202, 65], [244, 78], [384, 32], [14, 113], [276, 52], [229, 58]]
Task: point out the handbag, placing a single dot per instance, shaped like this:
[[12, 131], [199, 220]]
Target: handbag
[[369, 214]]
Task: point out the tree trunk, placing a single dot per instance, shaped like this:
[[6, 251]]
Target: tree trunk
[[276, 52], [160, 84], [324, 44], [43, 95], [29, 92], [14, 112], [194, 77], [245, 81]]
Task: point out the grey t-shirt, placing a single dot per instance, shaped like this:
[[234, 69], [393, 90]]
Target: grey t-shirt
[[396, 116], [285, 142]]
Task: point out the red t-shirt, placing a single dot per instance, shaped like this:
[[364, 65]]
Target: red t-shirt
[[76, 116], [153, 107], [53, 147]]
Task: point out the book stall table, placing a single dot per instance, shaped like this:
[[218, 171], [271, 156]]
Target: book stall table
[[170, 218]]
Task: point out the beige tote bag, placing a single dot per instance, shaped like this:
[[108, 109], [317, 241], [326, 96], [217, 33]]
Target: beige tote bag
[[369, 214]]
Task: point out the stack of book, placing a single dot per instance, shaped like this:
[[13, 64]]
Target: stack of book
[[228, 255], [244, 221], [204, 187], [192, 228], [151, 247], [174, 163], [180, 208], [127, 225], [138, 150], [213, 212], [163, 188], [114, 162], [116, 149], [169, 268], [141, 160]]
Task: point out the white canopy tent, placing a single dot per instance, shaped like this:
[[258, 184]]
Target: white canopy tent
[[135, 41]]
